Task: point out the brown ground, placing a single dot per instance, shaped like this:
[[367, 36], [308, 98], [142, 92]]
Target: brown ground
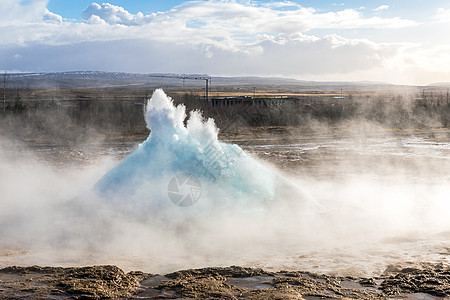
[[416, 281]]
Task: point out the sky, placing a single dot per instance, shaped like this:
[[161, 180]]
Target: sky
[[393, 41]]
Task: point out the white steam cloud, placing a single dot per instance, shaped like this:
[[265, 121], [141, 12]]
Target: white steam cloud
[[51, 217]]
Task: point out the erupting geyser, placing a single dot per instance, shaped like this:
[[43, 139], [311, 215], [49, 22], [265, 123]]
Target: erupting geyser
[[144, 181], [183, 199]]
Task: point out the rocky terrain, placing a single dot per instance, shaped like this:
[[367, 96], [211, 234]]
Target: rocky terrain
[[410, 281]]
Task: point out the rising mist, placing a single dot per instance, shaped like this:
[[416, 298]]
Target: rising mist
[[370, 209]]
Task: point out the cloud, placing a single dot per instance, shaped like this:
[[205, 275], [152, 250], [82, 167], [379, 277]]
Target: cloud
[[442, 15], [300, 55], [227, 25], [13, 11], [284, 4], [232, 16], [430, 60], [235, 15], [382, 7], [308, 57], [288, 55], [113, 14], [51, 17], [216, 37]]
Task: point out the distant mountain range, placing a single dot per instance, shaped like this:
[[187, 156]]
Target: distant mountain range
[[440, 84], [96, 79]]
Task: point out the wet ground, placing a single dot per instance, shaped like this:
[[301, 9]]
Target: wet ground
[[345, 153], [289, 148], [358, 150], [418, 281]]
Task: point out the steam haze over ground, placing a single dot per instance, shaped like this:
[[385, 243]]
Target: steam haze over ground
[[383, 198]]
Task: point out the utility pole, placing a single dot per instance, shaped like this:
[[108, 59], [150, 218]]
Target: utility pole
[[4, 93], [206, 90], [58, 103]]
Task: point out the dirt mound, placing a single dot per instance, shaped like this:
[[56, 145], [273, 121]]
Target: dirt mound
[[412, 281], [80, 283]]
